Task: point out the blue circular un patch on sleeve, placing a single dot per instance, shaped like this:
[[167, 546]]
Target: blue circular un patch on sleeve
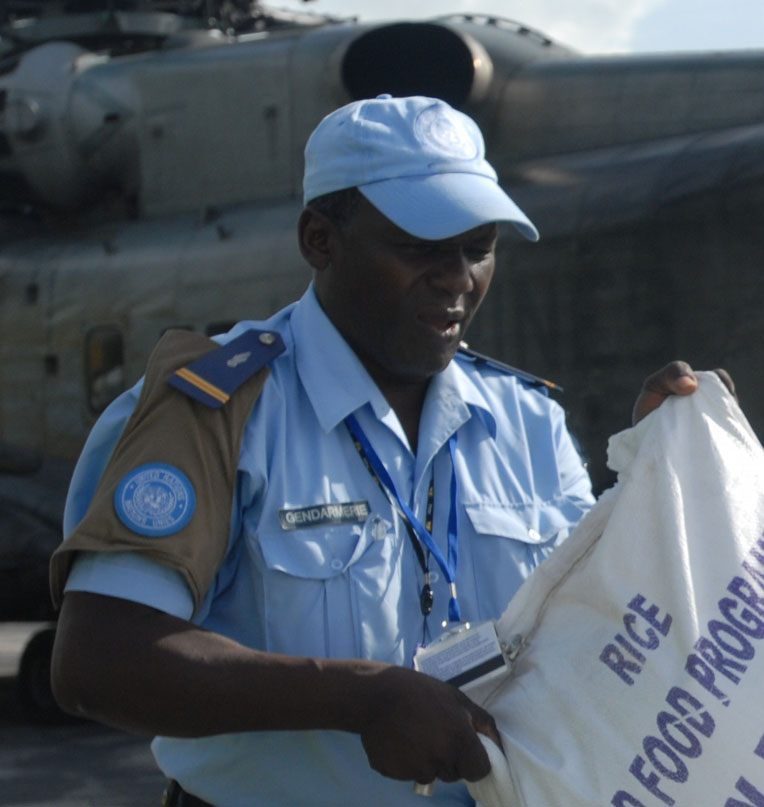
[[155, 500]]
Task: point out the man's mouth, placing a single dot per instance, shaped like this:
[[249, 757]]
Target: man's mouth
[[446, 323]]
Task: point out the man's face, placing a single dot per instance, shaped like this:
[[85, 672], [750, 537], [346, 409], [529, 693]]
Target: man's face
[[403, 303]]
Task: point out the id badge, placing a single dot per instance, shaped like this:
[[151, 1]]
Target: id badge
[[464, 656]]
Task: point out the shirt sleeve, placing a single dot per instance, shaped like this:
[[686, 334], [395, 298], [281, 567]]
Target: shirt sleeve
[[96, 454], [574, 477], [131, 577], [173, 456]]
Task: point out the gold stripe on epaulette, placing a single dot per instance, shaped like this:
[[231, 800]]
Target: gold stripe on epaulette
[[204, 386]]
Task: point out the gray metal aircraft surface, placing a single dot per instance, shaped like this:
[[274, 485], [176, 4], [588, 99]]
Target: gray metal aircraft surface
[[150, 165]]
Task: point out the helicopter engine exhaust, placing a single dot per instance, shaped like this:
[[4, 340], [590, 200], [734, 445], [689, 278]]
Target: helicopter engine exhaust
[[412, 58]]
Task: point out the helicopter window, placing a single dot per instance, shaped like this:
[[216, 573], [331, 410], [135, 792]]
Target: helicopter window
[[31, 293], [5, 146], [104, 365]]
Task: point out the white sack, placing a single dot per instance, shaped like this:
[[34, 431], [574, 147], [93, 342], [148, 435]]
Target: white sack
[[641, 678]]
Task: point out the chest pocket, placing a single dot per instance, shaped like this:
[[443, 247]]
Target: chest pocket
[[533, 524], [331, 591], [510, 541], [317, 553]]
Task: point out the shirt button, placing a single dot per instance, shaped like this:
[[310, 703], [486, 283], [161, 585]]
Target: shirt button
[[336, 564], [533, 535], [379, 530]]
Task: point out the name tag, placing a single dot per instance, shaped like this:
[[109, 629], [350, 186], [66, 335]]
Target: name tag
[[464, 656], [319, 515]]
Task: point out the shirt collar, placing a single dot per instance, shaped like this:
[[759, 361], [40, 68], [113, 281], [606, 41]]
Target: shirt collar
[[334, 378], [470, 388], [453, 397]]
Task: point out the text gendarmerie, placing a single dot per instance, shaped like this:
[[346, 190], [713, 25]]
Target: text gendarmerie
[[319, 515]]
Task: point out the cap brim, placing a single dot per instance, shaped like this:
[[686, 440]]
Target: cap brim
[[443, 205]]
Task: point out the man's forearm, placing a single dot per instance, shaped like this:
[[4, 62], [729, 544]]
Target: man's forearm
[[133, 667]]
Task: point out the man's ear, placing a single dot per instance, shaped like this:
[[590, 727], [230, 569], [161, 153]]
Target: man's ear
[[315, 233]]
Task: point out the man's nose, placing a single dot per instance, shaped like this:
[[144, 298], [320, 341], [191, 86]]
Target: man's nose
[[452, 272]]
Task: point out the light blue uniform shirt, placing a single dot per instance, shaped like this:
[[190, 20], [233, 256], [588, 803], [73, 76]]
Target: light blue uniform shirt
[[349, 590]]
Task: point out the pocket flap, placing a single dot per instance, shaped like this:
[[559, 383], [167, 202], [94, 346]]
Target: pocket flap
[[315, 554], [529, 523]]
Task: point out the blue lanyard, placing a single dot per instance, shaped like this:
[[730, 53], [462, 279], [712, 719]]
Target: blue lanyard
[[447, 565]]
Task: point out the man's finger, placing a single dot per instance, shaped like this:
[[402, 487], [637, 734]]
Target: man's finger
[[726, 379], [475, 763], [487, 727], [676, 378]]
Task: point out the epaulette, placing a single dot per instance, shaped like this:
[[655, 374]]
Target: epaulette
[[214, 377], [528, 378]]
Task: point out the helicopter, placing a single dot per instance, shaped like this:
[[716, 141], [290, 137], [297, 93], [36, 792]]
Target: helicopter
[[150, 178]]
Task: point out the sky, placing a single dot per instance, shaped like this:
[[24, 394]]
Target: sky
[[589, 26]]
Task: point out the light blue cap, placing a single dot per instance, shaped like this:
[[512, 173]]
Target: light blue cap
[[417, 160]]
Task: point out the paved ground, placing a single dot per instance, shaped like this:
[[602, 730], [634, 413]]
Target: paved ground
[[76, 764]]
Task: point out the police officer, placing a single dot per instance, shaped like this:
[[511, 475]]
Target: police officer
[[261, 535]]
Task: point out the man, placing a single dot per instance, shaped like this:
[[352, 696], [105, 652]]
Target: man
[[252, 587]]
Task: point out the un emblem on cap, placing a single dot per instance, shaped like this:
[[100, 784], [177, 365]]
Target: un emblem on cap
[[155, 500], [445, 133]]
